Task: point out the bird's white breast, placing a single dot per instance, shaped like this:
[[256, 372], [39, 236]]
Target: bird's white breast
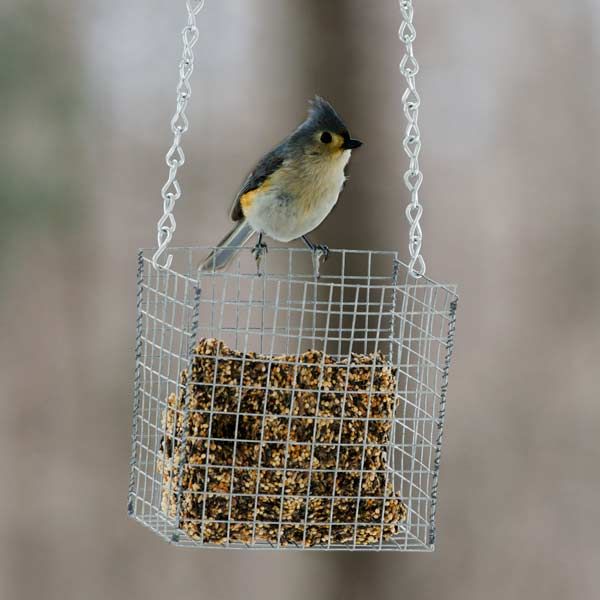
[[299, 198]]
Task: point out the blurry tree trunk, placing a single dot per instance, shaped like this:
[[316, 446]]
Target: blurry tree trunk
[[331, 52], [334, 42]]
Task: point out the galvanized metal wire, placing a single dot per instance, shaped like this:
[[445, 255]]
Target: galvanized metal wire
[[413, 177], [364, 302], [175, 158]]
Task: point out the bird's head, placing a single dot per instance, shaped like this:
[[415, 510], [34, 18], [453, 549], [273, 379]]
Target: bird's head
[[324, 133]]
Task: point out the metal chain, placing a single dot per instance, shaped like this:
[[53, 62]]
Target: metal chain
[[175, 158], [413, 177]]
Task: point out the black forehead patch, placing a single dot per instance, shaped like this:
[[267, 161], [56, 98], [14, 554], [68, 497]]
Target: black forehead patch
[[323, 116]]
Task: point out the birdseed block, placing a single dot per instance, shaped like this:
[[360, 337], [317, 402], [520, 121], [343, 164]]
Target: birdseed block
[[290, 450]]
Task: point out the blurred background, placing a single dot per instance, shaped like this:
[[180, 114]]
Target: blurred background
[[511, 148]]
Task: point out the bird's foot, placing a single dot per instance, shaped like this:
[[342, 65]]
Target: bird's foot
[[319, 249], [320, 252], [258, 252]]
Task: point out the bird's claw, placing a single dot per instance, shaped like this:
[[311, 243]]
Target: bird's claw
[[260, 249], [258, 252], [319, 253], [322, 251]]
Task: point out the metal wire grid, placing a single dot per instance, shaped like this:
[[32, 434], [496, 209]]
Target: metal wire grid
[[364, 302]]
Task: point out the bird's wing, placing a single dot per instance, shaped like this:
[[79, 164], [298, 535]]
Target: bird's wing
[[265, 168]]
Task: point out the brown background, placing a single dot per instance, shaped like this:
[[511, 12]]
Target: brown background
[[511, 147]]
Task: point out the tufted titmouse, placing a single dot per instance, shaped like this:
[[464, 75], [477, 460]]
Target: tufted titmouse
[[292, 189]]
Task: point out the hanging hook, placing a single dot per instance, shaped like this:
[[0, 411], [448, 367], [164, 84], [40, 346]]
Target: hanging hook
[[158, 266], [175, 158], [417, 267], [165, 235], [413, 177]]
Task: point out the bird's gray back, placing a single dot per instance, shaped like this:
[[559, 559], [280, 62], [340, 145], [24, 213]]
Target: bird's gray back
[[263, 170]]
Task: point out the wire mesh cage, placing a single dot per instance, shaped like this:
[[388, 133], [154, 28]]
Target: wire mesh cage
[[290, 411]]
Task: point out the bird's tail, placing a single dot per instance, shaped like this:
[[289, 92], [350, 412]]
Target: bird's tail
[[221, 256]]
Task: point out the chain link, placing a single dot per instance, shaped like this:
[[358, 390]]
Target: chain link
[[175, 158], [413, 177]]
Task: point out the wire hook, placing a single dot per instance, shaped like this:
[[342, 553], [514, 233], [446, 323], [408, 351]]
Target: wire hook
[[413, 177], [175, 158]]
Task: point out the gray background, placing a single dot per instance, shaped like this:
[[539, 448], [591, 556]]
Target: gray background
[[511, 147]]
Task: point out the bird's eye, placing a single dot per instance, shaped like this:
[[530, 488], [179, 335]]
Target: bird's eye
[[326, 137]]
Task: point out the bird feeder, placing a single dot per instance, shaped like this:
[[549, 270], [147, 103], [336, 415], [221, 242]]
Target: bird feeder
[[298, 408]]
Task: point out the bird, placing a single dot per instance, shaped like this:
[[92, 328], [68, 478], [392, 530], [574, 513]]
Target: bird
[[292, 189]]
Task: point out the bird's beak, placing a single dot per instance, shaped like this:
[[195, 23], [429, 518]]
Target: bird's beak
[[351, 144]]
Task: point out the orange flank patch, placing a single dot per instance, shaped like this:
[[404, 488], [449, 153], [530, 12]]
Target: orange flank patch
[[247, 200]]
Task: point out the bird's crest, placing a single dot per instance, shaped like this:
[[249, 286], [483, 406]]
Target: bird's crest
[[323, 116]]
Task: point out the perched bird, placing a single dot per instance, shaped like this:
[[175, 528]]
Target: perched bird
[[292, 189]]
